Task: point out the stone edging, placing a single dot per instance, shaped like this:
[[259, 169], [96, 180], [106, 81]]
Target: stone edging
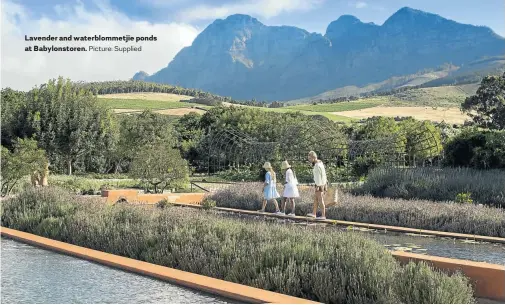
[[214, 286]]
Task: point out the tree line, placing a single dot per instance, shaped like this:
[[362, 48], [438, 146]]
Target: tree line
[[61, 122]]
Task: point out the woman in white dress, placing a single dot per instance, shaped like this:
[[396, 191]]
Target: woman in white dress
[[290, 188], [270, 188]]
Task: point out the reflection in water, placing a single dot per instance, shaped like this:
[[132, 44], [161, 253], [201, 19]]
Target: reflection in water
[[33, 275], [445, 247], [422, 244]]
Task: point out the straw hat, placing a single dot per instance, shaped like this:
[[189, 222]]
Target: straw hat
[[285, 165], [267, 165]]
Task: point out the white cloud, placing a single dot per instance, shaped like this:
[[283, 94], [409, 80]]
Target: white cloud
[[263, 8], [23, 70], [361, 4]]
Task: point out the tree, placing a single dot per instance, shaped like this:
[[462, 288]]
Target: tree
[[385, 132], [423, 139], [481, 149], [139, 130], [487, 106], [160, 166], [189, 134], [67, 122], [24, 160], [13, 121]]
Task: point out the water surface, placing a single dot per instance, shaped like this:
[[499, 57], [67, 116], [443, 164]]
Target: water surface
[[33, 275]]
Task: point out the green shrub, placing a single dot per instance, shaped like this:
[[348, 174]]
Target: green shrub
[[90, 186], [419, 214], [208, 203], [486, 187], [420, 284], [321, 265], [464, 198], [164, 203], [242, 174], [477, 149], [363, 165]]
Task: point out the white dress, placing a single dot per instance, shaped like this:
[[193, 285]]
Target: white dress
[[290, 188]]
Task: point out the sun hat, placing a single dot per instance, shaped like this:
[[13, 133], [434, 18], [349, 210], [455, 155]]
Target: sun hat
[[285, 165], [267, 165]]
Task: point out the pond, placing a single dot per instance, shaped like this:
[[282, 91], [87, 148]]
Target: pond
[[34, 275], [492, 253]]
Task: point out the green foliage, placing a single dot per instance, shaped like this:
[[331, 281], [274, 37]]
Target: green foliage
[[480, 149], [242, 174], [138, 130], [91, 186], [208, 203], [160, 166], [13, 120], [445, 184], [23, 161], [289, 129], [388, 139], [68, 124], [423, 139], [378, 128], [164, 203], [363, 165], [464, 198], [112, 87], [302, 262], [336, 107], [207, 101], [487, 106], [413, 213], [189, 134], [117, 103], [421, 285]]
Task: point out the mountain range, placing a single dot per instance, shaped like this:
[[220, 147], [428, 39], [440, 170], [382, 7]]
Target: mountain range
[[245, 59]]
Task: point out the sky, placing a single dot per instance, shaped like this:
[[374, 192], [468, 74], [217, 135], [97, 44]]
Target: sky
[[176, 23]]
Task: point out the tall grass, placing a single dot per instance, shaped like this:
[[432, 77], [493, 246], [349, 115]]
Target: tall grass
[[419, 214], [330, 267], [486, 187]]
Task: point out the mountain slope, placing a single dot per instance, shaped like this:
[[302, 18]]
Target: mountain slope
[[243, 58]]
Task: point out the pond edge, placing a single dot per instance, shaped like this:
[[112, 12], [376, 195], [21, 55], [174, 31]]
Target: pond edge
[[211, 285]]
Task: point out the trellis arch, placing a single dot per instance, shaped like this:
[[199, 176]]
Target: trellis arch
[[227, 147]]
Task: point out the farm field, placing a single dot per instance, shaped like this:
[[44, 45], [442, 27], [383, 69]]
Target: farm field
[[437, 96], [168, 104], [435, 104], [341, 106], [153, 96], [308, 111], [172, 111], [449, 115]]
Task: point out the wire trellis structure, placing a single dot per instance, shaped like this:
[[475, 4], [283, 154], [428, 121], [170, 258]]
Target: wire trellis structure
[[228, 148]]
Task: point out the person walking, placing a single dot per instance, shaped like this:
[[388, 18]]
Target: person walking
[[270, 189], [321, 187], [290, 188]]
